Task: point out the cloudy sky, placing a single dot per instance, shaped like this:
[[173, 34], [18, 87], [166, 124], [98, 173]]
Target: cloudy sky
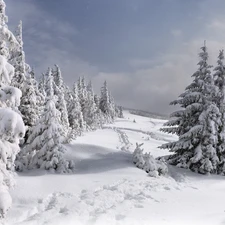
[[147, 50]]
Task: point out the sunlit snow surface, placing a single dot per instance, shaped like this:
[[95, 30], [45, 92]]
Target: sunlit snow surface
[[108, 189]]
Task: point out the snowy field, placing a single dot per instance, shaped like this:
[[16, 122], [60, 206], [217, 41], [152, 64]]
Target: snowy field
[[108, 189]]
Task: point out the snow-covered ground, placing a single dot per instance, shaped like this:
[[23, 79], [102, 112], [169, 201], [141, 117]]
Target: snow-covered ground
[[108, 189]]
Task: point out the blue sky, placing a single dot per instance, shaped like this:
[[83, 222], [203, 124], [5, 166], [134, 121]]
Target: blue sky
[[146, 49]]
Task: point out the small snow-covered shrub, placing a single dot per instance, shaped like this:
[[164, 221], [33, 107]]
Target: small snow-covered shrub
[[138, 155], [150, 163], [154, 167], [162, 166]]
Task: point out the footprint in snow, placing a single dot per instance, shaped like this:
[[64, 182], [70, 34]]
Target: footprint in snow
[[138, 206], [167, 188], [64, 210]]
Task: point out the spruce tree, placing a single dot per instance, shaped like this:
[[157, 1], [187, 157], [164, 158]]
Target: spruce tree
[[11, 125], [75, 115], [112, 106], [82, 96], [219, 98], [61, 105], [40, 98], [23, 80], [42, 85], [196, 124], [91, 108], [45, 149], [18, 61], [100, 118], [120, 112], [104, 103], [29, 109]]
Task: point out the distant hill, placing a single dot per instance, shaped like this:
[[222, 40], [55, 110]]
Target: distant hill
[[146, 113]]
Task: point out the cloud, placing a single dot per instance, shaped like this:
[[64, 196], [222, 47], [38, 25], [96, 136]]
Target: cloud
[[149, 80], [217, 25], [161, 81], [176, 33], [47, 40]]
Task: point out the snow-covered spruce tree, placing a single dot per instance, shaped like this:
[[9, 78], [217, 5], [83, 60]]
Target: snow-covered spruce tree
[[42, 85], [75, 115], [138, 155], [112, 106], [18, 61], [104, 104], [82, 95], [120, 112], [45, 149], [61, 105], [23, 80], [91, 109], [33, 106], [29, 109], [148, 163], [100, 118], [196, 124], [40, 98], [11, 125], [219, 98]]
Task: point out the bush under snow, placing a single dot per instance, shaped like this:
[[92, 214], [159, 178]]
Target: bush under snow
[[148, 163]]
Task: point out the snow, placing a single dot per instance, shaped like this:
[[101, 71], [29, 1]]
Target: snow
[[107, 188], [5, 199], [6, 70], [11, 125]]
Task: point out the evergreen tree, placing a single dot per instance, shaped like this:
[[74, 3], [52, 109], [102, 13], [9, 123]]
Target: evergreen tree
[[11, 125], [104, 104], [82, 95], [90, 109], [45, 149], [68, 98], [100, 119], [219, 98], [40, 98], [42, 85], [18, 61], [23, 80], [112, 106], [120, 112], [196, 124], [61, 105], [58, 79], [76, 116], [29, 109]]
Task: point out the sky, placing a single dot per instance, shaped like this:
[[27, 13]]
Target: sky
[[147, 50]]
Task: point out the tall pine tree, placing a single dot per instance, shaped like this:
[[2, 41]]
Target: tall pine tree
[[76, 115], [11, 125], [104, 103], [219, 98], [59, 91], [196, 124], [45, 149]]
